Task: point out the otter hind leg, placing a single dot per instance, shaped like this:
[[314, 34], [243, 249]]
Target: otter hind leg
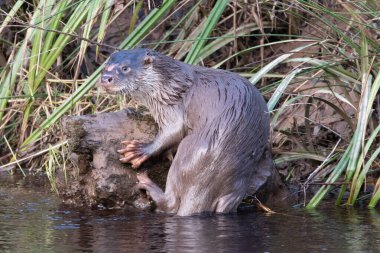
[[152, 189], [165, 202], [228, 203]]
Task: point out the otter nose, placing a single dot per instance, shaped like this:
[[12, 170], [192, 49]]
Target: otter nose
[[106, 79]]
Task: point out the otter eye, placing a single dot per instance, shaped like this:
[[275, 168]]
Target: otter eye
[[125, 69]]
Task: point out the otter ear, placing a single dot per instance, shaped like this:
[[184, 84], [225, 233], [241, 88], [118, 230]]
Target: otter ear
[[148, 59]]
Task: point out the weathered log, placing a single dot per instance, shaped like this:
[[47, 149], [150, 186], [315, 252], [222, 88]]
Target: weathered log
[[96, 177]]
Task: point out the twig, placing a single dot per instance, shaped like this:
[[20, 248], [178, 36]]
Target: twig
[[14, 155], [319, 168], [4, 167], [338, 183]]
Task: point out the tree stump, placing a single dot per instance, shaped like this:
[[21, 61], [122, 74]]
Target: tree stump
[[96, 178]]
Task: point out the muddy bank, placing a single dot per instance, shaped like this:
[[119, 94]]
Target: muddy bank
[[96, 178]]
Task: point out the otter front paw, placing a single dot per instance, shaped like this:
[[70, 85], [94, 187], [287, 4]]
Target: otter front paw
[[134, 153]]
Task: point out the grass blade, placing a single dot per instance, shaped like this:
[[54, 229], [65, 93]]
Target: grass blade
[[216, 12], [281, 88], [376, 195], [254, 79], [16, 6], [103, 23]]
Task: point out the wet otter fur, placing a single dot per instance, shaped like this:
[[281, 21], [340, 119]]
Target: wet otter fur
[[217, 120]]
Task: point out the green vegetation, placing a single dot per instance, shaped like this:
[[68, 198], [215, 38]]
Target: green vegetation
[[316, 64]]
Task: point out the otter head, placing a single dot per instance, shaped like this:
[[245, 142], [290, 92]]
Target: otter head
[[125, 72]]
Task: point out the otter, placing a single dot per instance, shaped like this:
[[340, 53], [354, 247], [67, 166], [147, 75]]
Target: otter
[[216, 120]]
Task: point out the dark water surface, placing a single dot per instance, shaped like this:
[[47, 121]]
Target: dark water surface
[[35, 222]]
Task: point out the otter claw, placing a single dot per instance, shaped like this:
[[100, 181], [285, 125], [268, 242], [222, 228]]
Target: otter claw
[[130, 157], [129, 148], [133, 153], [137, 163]]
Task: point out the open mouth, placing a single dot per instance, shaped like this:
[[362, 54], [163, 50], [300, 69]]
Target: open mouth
[[110, 89]]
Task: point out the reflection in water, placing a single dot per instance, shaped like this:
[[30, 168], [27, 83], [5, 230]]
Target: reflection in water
[[34, 222]]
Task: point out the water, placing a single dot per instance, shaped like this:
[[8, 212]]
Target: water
[[33, 221]]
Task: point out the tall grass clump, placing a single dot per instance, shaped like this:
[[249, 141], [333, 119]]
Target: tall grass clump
[[314, 61]]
